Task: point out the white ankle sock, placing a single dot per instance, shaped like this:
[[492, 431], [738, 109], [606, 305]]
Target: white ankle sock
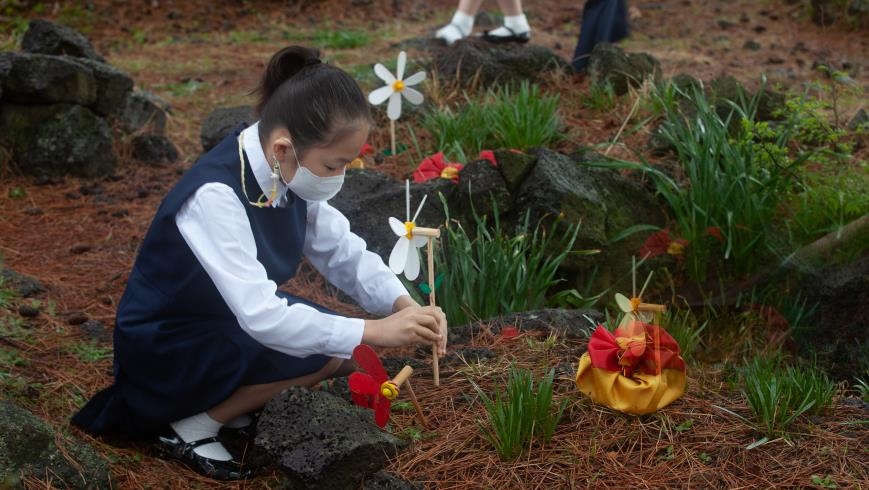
[[201, 426], [460, 26], [518, 23]]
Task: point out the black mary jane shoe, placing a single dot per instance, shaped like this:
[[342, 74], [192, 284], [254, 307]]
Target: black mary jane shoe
[[514, 37], [173, 447]]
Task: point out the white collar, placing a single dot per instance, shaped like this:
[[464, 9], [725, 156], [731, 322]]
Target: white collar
[[260, 166]]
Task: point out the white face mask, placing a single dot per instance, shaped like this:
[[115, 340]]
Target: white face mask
[[311, 187]]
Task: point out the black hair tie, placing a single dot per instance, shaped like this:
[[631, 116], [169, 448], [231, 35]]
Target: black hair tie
[[312, 61]]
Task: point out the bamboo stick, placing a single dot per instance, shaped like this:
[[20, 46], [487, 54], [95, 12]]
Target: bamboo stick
[[431, 302]]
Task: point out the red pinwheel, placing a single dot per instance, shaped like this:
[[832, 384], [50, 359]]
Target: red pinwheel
[[373, 389]]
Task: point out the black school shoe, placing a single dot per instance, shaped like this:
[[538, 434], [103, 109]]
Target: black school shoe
[[173, 447], [514, 37]]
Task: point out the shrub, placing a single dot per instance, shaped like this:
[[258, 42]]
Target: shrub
[[510, 117], [488, 272], [777, 396], [520, 414]]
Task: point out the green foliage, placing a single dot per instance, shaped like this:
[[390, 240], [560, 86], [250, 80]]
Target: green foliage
[[777, 396], [600, 97], [685, 328], [824, 482], [489, 273], [90, 352], [862, 386], [734, 183], [6, 294], [341, 39], [509, 117], [520, 414]]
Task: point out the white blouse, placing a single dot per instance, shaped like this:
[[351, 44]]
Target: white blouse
[[214, 224]]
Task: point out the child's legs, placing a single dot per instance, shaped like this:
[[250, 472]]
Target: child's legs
[[470, 7], [253, 397], [510, 7]]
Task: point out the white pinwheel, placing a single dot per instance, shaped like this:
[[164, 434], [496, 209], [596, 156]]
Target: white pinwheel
[[404, 257], [396, 87]]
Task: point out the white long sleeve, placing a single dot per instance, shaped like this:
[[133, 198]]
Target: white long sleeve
[[215, 226], [342, 257]]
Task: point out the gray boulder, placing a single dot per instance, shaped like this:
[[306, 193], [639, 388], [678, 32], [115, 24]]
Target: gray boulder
[[47, 79], [860, 120], [24, 286], [28, 447], [57, 139], [386, 481], [482, 187], [221, 122], [5, 67], [368, 199], [468, 61], [113, 86], [601, 201], [143, 111], [46, 37], [321, 441], [153, 149], [514, 167], [836, 336], [608, 64]]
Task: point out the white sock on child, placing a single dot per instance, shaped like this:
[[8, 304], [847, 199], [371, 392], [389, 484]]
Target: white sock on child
[[518, 23], [461, 25], [201, 426]]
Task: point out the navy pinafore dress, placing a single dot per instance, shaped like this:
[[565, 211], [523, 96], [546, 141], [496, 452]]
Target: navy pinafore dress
[[179, 350]]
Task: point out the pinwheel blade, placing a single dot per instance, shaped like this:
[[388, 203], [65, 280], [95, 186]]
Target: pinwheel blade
[[383, 73], [412, 95], [411, 269], [393, 111], [419, 241], [398, 257], [367, 359], [399, 67], [381, 411], [363, 384], [414, 79], [624, 303], [377, 96], [397, 226]]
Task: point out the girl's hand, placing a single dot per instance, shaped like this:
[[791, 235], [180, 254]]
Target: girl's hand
[[410, 325]]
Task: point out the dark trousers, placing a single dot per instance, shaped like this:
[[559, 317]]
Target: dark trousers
[[602, 21]]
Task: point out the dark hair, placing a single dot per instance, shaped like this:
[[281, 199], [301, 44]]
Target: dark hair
[[313, 100]]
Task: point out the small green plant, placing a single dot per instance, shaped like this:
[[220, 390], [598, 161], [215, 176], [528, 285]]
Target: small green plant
[[521, 414], [90, 352], [777, 396], [6, 294], [685, 328], [489, 272], [705, 457], [667, 454], [517, 117], [862, 386], [16, 193], [824, 482], [600, 97], [341, 39]]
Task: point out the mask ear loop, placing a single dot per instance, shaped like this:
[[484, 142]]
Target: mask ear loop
[[263, 201]]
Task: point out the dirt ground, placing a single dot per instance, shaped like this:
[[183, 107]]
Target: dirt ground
[[79, 236]]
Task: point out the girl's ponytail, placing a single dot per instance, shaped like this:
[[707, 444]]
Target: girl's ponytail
[[314, 101], [283, 65]]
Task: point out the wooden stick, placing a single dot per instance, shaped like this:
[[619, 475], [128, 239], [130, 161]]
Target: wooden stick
[[402, 376], [651, 308], [416, 405], [392, 135], [427, 232], [431, 302]]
